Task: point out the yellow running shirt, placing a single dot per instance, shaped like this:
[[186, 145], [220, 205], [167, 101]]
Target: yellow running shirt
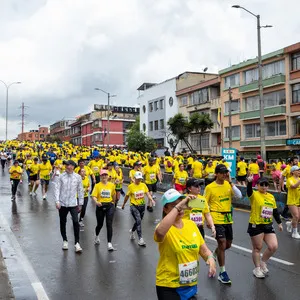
[[104, 192], [151, 174], [262, 206], [219, 198], [137, 192], [34, 169], [178, 263], [15, 172], [181, 177], [95, 166], [45, 170], [88, 171], [242, 166], [86, 185], [197, 169], [253, 168], [293, 195]]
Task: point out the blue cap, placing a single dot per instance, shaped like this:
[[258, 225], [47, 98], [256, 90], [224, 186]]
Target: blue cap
[[170, 196]]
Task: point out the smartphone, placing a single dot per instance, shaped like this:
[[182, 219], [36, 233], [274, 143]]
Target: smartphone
[[197, 203]]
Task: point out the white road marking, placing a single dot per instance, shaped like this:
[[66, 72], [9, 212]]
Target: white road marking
[[35, 282], [281, 261]]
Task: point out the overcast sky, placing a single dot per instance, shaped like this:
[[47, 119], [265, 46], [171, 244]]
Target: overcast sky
[[61, 49]]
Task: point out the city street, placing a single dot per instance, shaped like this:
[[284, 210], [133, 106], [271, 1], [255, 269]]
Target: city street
[[31, 243]]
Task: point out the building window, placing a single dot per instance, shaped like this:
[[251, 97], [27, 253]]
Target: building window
[[151, 126], [235, 106], [151, 106], [250, 76], [183, 101], [171, 101], [296, 93], [232, 81], [252, 131], [195, 141], [276, 128], [252, 103], [144, 126], [274, 99], [273, 69], [156, 125], [161, 104], [144, 108], [236, 132], [199, 97], [162, 124], [296, 61], [156, 105]]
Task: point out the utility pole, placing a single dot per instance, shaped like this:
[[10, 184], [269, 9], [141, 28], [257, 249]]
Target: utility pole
[[229, 115], [23, 115], [108, 115]]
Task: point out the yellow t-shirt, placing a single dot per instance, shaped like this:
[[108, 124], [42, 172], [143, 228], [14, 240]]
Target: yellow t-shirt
[[28, 163], [95, 166], [197, 215], [131, 173], [181, 177], [88, 171], [287, 172], [219, 198], [293, 195], [178, 263], [137, 192], [197, 169], [253, 168], [112, 175], [278, 166], [45, 170], [151, 174], [104, 192], [118, 180], [168, 169], [58, 163], [210, 171], [86, 185], [242, 168], [262, 206], [34, 169], [15, 172]]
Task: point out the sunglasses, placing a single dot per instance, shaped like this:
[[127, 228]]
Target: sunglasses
[[264, 184]]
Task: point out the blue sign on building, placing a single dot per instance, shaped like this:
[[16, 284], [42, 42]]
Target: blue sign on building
[[293, 142], [230, 156]]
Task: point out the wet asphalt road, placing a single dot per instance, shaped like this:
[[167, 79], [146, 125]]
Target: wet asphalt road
[[31, 242]]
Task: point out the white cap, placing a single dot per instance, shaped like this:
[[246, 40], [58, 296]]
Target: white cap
[[138, 175]]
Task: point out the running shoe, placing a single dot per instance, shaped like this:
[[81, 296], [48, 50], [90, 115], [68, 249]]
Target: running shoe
[[44, 197], [224, 278], [141, 242], [150, 208], [263, 268], [13, 198], [65, 245], [110, 247], [296, 236], [153, 197], [30, 194], [258, 273], [288, 226], [78, 249], [97, 240], [81, 224], [132, 237]]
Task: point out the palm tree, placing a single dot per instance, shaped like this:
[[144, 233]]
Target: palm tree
[[200, 123]]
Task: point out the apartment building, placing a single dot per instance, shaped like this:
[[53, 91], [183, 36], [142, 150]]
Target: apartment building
[[203, 97], [158, 103], [61, 129], [34, 135], [281, 88]]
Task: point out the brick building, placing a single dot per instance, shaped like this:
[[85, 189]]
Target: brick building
[[34, 135]]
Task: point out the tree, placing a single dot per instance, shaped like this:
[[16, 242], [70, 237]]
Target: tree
[[53, 139], [180, 128], [200, 123]]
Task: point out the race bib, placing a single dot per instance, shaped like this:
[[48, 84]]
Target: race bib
[[105, 194], [139, 195], [266, 212], [118, 186], [188, 272], [211, 176], [152, 176], [182, 180], [197, 218], [96, 169]]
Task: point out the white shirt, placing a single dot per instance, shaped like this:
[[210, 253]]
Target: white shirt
[[67, 187], [3, 156]]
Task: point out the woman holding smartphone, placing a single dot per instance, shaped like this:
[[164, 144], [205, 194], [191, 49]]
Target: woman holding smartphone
[[180, 244]]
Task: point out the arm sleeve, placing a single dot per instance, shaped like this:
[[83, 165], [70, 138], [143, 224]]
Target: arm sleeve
[[57, 184], [276, 216], [236, 192], [80, 192], [249, 189]]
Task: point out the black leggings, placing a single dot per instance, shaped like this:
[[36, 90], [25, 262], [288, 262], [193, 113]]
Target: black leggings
[[105, 211], [3, 161], [83, 209], [63, 212], [165, 293], [14, 186]]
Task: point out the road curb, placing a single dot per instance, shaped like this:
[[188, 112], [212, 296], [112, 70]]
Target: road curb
[[6, 291]]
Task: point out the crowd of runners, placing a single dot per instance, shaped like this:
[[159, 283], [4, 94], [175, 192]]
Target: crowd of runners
[[79, 174]]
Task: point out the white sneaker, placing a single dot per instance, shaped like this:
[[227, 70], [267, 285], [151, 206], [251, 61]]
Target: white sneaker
[[65, 245], [257, 272], [78, 249], [30, 194], [132, 237], [44, 197], [296, 236], [97, 240], [141, 242], [81, 224], [110, 247], [263, 268], [288, 226]]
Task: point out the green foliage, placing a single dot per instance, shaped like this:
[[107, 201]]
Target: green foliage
[[200, 122], [53, 139]]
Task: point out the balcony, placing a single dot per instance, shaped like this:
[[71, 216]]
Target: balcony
[[268, 112], [275, 80], [216, 128], [269, 143], [215, 103]]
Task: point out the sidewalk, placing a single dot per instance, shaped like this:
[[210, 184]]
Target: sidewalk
[[5, 285]]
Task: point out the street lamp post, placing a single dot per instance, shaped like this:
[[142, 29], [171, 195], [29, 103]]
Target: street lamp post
[[6, 114], [108, 113], [260, 85]]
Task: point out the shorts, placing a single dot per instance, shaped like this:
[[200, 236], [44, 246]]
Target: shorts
[[224, 231], [33, 177], [201, 229], [152, 187], [45, 182], [241, 178], [260, 228], [179, 187]]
